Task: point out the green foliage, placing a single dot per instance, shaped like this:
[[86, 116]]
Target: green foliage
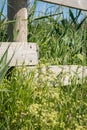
[[37, 101], [61, 41], [4, 64], [29, 102], [3, 24]]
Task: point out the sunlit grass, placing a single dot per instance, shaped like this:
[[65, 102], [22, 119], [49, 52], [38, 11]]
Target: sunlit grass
[[33, 100]]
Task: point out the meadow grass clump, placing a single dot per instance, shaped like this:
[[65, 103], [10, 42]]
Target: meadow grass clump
[[29, 103]]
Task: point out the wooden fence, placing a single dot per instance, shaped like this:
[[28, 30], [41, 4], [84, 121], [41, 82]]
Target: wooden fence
[[17, 35], [78, 4], [17, 30], [28, 52]]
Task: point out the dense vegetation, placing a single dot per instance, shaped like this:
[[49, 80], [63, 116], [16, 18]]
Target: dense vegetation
[[38, 102], [30, 103], [61, 40]]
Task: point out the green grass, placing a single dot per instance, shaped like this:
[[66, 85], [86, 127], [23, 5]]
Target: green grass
[[30, 103], [61, 41], [36, 102]]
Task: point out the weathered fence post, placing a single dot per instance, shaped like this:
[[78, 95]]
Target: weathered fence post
[[25, 52], [17, 15]]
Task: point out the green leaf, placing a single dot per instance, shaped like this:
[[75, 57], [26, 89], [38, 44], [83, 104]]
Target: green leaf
[[80, 24], [3, 64], [72, 16], [81, 57]]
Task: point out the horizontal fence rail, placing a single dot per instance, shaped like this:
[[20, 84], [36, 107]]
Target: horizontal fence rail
[[79, 4], [63, 74], [26, 53]]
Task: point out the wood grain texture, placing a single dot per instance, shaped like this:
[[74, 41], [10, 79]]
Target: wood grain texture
[[65, 74], [17, 15], [26, 53], [79, 4]]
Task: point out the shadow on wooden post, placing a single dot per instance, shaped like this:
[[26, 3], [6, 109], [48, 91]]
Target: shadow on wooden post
[[17, 15]]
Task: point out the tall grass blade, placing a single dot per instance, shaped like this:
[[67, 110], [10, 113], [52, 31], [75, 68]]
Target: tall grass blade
[[46, 16], [4, 65], [2, 8], [71, 14], [81, 23]]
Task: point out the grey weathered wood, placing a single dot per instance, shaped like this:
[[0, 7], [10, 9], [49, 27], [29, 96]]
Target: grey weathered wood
[[62, 74], [79, 4], [17, 15], [26, 53], [65, 74]]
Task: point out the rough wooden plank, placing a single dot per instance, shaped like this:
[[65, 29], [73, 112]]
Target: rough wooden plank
[[17, 15], [65, 74], [26, 53], [79, 4], [62, 74]]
